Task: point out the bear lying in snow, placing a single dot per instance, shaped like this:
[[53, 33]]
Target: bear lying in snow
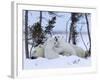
[[56, 46], [46, 50], [79, 51], [63, 48], [67, 49]]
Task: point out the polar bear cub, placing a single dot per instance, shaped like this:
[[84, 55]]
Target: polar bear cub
[[64, 48], [49, 51]]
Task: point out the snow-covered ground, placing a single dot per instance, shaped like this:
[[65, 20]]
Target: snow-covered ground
[[61, 62]]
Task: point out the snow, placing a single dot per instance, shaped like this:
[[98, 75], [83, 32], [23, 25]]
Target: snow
[[61, 62]]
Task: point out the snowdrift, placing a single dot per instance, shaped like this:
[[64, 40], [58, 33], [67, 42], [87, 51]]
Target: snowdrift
[[61, 62]]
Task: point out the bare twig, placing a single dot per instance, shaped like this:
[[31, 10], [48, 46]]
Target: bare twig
[[82, 38]]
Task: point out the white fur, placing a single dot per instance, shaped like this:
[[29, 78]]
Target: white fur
[[49, 52], [52, 49], [64, 48], [38, 51], [68, 49], [79, 51]]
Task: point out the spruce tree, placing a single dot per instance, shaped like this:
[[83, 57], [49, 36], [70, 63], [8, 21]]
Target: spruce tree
[[37, 34], [73, 32], [50, 26]]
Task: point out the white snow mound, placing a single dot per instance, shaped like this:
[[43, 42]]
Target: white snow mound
[[61, 62]]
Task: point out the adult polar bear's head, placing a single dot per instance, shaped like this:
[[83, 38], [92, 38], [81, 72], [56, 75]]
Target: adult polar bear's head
[[38, 51]]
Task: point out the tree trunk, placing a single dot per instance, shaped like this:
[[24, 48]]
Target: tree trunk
[[26, 34], [83, 39], [41, 18], [70, 33], [88, 31], [73, 32], [67, 30]]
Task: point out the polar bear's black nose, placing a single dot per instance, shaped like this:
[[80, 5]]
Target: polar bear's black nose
[[61, 53], [33, 57]]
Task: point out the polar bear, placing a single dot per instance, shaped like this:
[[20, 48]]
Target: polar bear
[[79, 51], [64, 48], [67, 49], [49, 51], [38, 51], [46, 50]]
